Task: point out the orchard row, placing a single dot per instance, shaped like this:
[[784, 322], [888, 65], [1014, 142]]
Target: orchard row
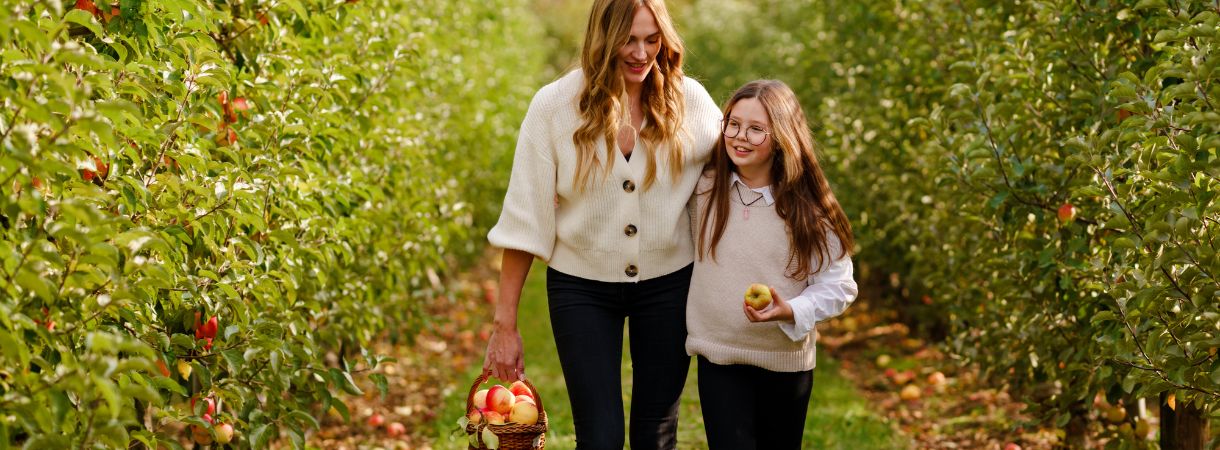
[[1036, 179], [247, 192]]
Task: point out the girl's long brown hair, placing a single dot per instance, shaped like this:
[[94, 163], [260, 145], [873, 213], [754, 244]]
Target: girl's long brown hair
[[803, 198], [601, 99]]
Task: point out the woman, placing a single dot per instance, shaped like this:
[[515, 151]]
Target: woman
[[605, 163]]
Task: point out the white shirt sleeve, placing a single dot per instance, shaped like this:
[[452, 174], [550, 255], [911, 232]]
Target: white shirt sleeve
[[829, 292]]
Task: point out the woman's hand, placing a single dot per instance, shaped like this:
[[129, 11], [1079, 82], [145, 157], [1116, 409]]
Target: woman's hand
[[777, 310], [505, 354]]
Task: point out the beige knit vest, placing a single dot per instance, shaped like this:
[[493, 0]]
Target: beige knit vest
[[752, 250]]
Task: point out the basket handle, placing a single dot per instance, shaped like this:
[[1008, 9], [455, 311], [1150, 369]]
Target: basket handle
[[482, 378]]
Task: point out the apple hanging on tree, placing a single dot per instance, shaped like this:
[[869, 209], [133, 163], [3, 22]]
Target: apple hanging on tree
[[1067, 212]]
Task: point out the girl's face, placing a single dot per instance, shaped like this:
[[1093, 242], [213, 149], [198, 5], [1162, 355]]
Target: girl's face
[[747, 136], [638, 56]]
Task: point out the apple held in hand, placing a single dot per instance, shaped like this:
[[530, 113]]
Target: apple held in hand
[[758, 296]]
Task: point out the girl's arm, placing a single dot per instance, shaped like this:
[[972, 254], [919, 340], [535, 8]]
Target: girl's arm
[[505, 351], [829, 293]]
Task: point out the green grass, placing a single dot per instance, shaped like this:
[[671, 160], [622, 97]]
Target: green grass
[[839, 417]]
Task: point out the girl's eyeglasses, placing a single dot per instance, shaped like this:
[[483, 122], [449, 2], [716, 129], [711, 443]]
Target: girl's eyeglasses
[[755, 135]]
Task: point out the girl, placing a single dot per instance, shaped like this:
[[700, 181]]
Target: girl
[[605, 163], [765, 215]]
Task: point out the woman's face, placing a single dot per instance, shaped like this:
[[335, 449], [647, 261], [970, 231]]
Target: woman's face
[[751, 145], [638, 56]]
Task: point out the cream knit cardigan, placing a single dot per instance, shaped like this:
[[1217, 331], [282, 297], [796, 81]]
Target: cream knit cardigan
[[614, 231]]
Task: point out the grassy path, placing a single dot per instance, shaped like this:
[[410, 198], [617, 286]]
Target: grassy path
[[839, 417]]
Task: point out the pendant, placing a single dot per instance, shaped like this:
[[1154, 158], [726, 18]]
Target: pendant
[[745, 213]]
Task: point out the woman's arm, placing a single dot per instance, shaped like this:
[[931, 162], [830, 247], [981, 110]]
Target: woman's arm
[[505, 351]]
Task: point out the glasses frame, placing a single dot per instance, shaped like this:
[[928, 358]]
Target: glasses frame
[[724, 130]]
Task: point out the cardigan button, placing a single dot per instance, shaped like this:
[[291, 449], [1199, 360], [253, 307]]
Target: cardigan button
[[632, 271], [629, 186], [629, 231]]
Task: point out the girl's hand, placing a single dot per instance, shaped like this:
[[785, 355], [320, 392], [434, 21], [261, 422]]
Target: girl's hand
[[777, 310], [505, 354]]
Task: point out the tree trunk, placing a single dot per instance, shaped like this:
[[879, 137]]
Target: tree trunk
[[1076, 434], [1185, 428]]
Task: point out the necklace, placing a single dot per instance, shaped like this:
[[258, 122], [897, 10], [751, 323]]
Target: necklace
[[745, 210]]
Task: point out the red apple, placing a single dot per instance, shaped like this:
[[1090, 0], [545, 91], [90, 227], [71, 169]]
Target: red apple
[[241, 104], [524, 413], [224, 433], [1067, 212], [500, 399], [1012, 446], [210, 327], [376, 420], [87, 5], [395, 429], [758, 296], [936, 378], [519, 388], [102, 168]]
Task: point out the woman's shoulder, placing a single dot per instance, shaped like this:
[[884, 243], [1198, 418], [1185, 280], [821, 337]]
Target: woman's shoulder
[[559, 93], [692, 87]]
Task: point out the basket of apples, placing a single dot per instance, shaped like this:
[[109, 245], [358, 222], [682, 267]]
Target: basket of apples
[[503, 418]]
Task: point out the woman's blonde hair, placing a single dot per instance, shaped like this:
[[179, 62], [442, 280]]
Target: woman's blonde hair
[[803, 198], [602, 105]]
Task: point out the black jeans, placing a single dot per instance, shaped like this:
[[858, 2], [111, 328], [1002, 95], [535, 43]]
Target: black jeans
[[587, 319], [748, 407]]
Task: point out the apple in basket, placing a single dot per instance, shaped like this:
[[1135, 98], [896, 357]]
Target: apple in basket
[[493, 417], [519, 388], [525, 413], [500, 399], [480, 399]]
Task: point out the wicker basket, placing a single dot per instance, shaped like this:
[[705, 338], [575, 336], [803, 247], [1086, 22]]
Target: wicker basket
[[512, 436]]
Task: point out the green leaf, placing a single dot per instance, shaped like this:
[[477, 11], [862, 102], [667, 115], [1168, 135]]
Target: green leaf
[[83, 18], [343, 380], [382, 384]]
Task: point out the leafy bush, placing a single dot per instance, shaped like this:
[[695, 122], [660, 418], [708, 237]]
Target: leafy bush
[[957, 132], [305, 172]]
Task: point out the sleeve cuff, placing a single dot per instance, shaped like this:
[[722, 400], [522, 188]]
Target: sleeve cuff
[[802, 322]]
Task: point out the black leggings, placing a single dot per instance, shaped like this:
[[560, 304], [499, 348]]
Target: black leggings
[[748, 407], [587, 318]]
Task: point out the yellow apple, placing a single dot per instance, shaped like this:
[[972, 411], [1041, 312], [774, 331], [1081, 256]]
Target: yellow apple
[[758, 296], [524, 413], [480, 399]]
